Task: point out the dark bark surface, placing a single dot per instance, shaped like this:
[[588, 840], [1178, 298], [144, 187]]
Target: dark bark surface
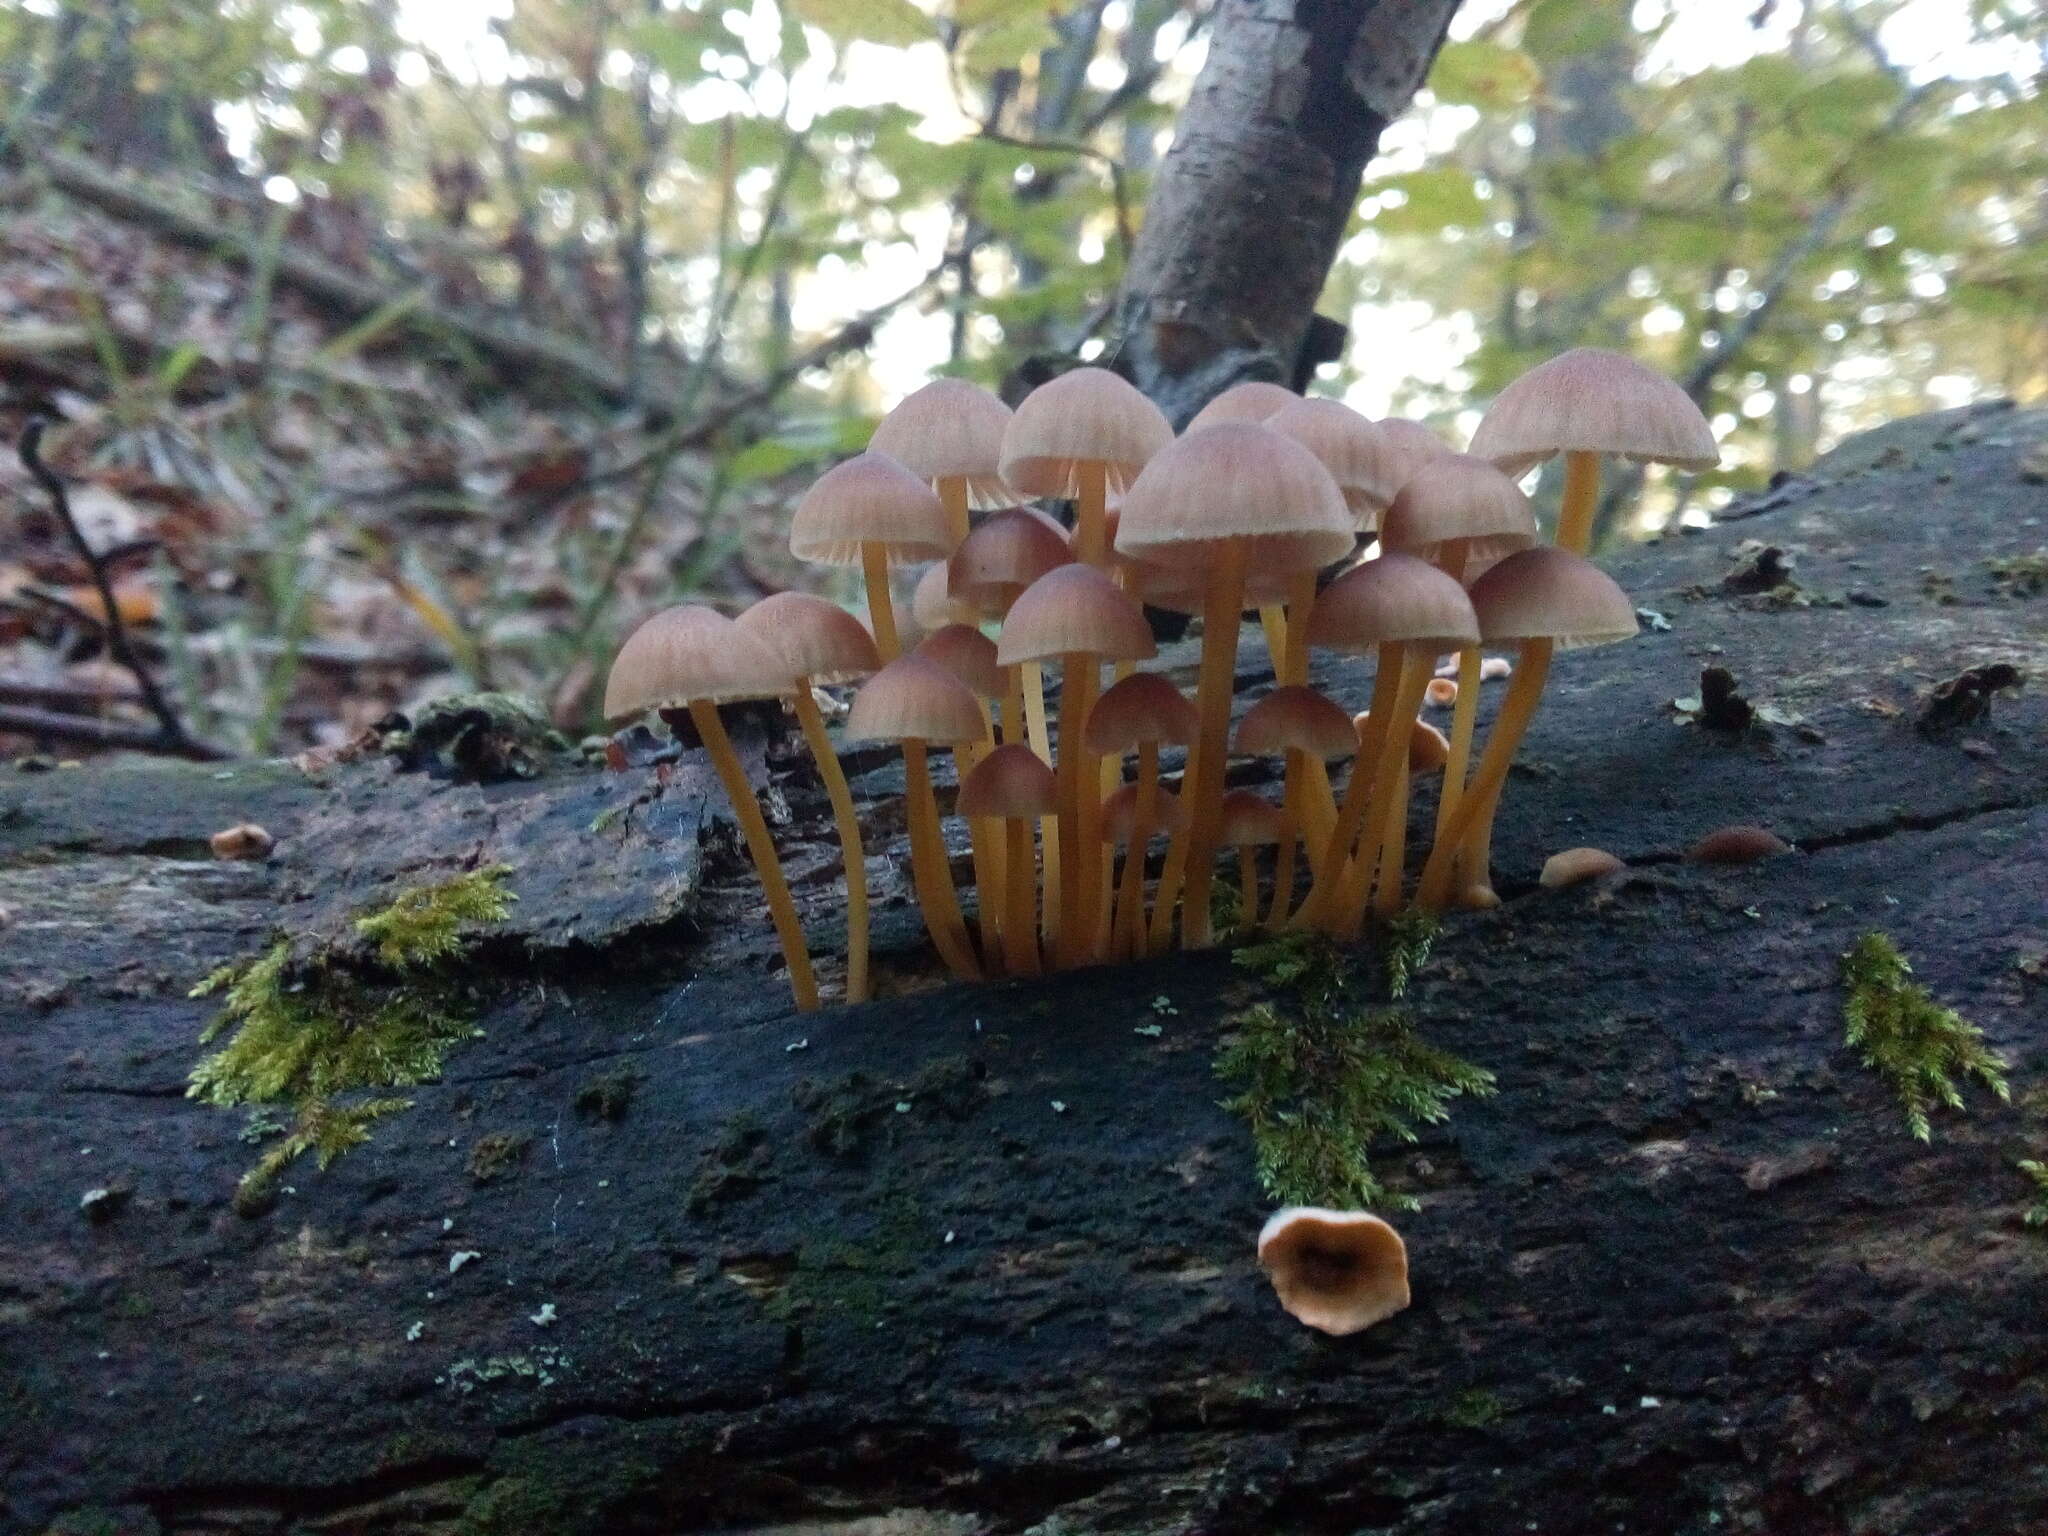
[[982, 1256]]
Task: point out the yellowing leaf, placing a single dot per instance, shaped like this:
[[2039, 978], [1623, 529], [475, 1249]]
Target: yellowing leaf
[[896, 23]]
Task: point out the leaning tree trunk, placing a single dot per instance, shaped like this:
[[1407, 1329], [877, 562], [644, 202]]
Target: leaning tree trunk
[[1253, 199]]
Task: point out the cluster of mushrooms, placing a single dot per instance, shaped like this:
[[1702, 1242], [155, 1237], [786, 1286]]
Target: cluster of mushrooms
[[1251, 509]]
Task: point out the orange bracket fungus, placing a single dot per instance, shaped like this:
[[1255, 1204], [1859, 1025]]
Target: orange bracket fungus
[[1336, 1271]]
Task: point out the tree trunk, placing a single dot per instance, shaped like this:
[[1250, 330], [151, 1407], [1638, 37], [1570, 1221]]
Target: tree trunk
[[1253, 199]]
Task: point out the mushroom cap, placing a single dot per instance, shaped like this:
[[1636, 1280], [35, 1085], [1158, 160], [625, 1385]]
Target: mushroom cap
[[1297, 718], [1120, 814], [811, 637], [1003, 555], [933, 604], [1181, 590], [1459, 497], [968, 654], [1364, 461], [1413, 444], [914, 698], [1337, 1271], [687, 653], [1737, 845], [1441, 691], [1428, 748], [1085, 416], [1011, 782], [1590, 400], [1250, 820], [1253, 401], [1549, 593], [1236, 482], [1574, 865], [949, 429], [869, 499], [1143, 707], [1396, 599], [1075, 608]]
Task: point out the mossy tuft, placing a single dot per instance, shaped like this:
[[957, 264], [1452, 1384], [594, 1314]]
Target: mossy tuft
[[2037, 1175], [1915, 1044], [1474, 1408], [424, 927]]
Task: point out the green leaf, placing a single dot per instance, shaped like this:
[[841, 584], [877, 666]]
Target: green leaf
[[1426, 202], [997, 45], [1481, 74], [895, 23]]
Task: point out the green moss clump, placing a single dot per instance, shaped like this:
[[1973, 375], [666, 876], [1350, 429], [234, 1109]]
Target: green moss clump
[[1474, 1408], [2037, 1174], [1319, 1083], [1915, 1044], [608, 1095], [424, 926], [497, 1154], [323, 1128]]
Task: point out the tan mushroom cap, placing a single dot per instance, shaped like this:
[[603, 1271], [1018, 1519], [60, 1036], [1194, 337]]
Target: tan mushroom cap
[[1394, 600], [1180, 590], [811, 637], [933, 605], [968, 654], [1573, 866], [1235, 482], [1250, 820], [1549, 594], [1590, 400], [1011, 782], [1296, 718], [1253, 401], [1413, 445], [1143, 707], [1737, 845], [1337, 1271], [948, 429], [1428, 748], [869, 499], [1075, 608], [687, 653], [1003, 555], [1086, 415], [1459, 497], [1364, 461], [1120, 814], [914, 698]]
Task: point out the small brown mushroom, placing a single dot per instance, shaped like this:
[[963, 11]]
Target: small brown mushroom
[[1337, 1271], [1441, 691], [1574, 866], [245, 841], [1737, 845]]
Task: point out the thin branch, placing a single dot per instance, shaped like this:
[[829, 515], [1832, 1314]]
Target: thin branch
[[1126, 233], [87, 731]]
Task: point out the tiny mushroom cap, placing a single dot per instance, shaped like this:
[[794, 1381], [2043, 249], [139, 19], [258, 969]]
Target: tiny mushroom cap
[[966, 653], [950, 428], [1085, 416], [1441, 691], [1181, 591], [1576, 865], [1012, 782], [1737, 845], [1590, 400], [1548, 593], [1396, 599], [688, 653], [1428, 748], [811, 637], [869, 499], [1337, 1271], [1236, 482], [1002, 556], [1367, 466], [1143, 707], [914, 698], [1413, 444], [1075, 609], [1297, 718], [933, 605], [1250, 820], [1459, 497], [1254, 401], [1120, 814]]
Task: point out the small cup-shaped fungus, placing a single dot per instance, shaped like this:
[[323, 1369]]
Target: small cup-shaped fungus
[[1429, 749], [950, 435], [690, 660], [1083, 435], [1308, 727], [1253, 401], [1140, 713], [1014, 786], [1078, 614], [1543, 599], [1586, 403], [820, 642], [1575, 866], [1250, 822], [1737, 845], [932, 604], [915, 701], [871, 512], [1337, 1271], [1224, 501]]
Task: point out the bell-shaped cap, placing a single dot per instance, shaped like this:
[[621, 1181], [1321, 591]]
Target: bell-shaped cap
[[1120, 814], [1142, 707], [812, 638], [1075, 608], [1003, 555], [950, 429], [933, 605], [1574, 866], [1180, 589], [1394, 600], [869, 499], [1299, 719], [687, 653], [968, 654], [1590, 400], [1364, 461], [1012, 782], [914, 699], [1549, 594], [1253, 401], [1250, 821], [1456, 496], [1239, 483], [1085, 416], [1337, 1271], [1412, 444]]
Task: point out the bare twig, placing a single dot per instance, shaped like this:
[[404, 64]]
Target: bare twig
[[87, 731]]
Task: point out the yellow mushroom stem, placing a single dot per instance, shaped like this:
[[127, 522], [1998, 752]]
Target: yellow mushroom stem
[[1223, 603], [1273, 620], [1290, 827], [929, 870], [851, 855], [1464, 721], [985, 839], [747, 811], [1581, 500], [874, 569], [1327, 889], [1482, 795], [1411, 673], [1127, 924], [1031, 682], [1091, 514], [1172, 875], [952, 491], [1020, 906], [1394, 846], [1315, 805], [1080, 794]]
